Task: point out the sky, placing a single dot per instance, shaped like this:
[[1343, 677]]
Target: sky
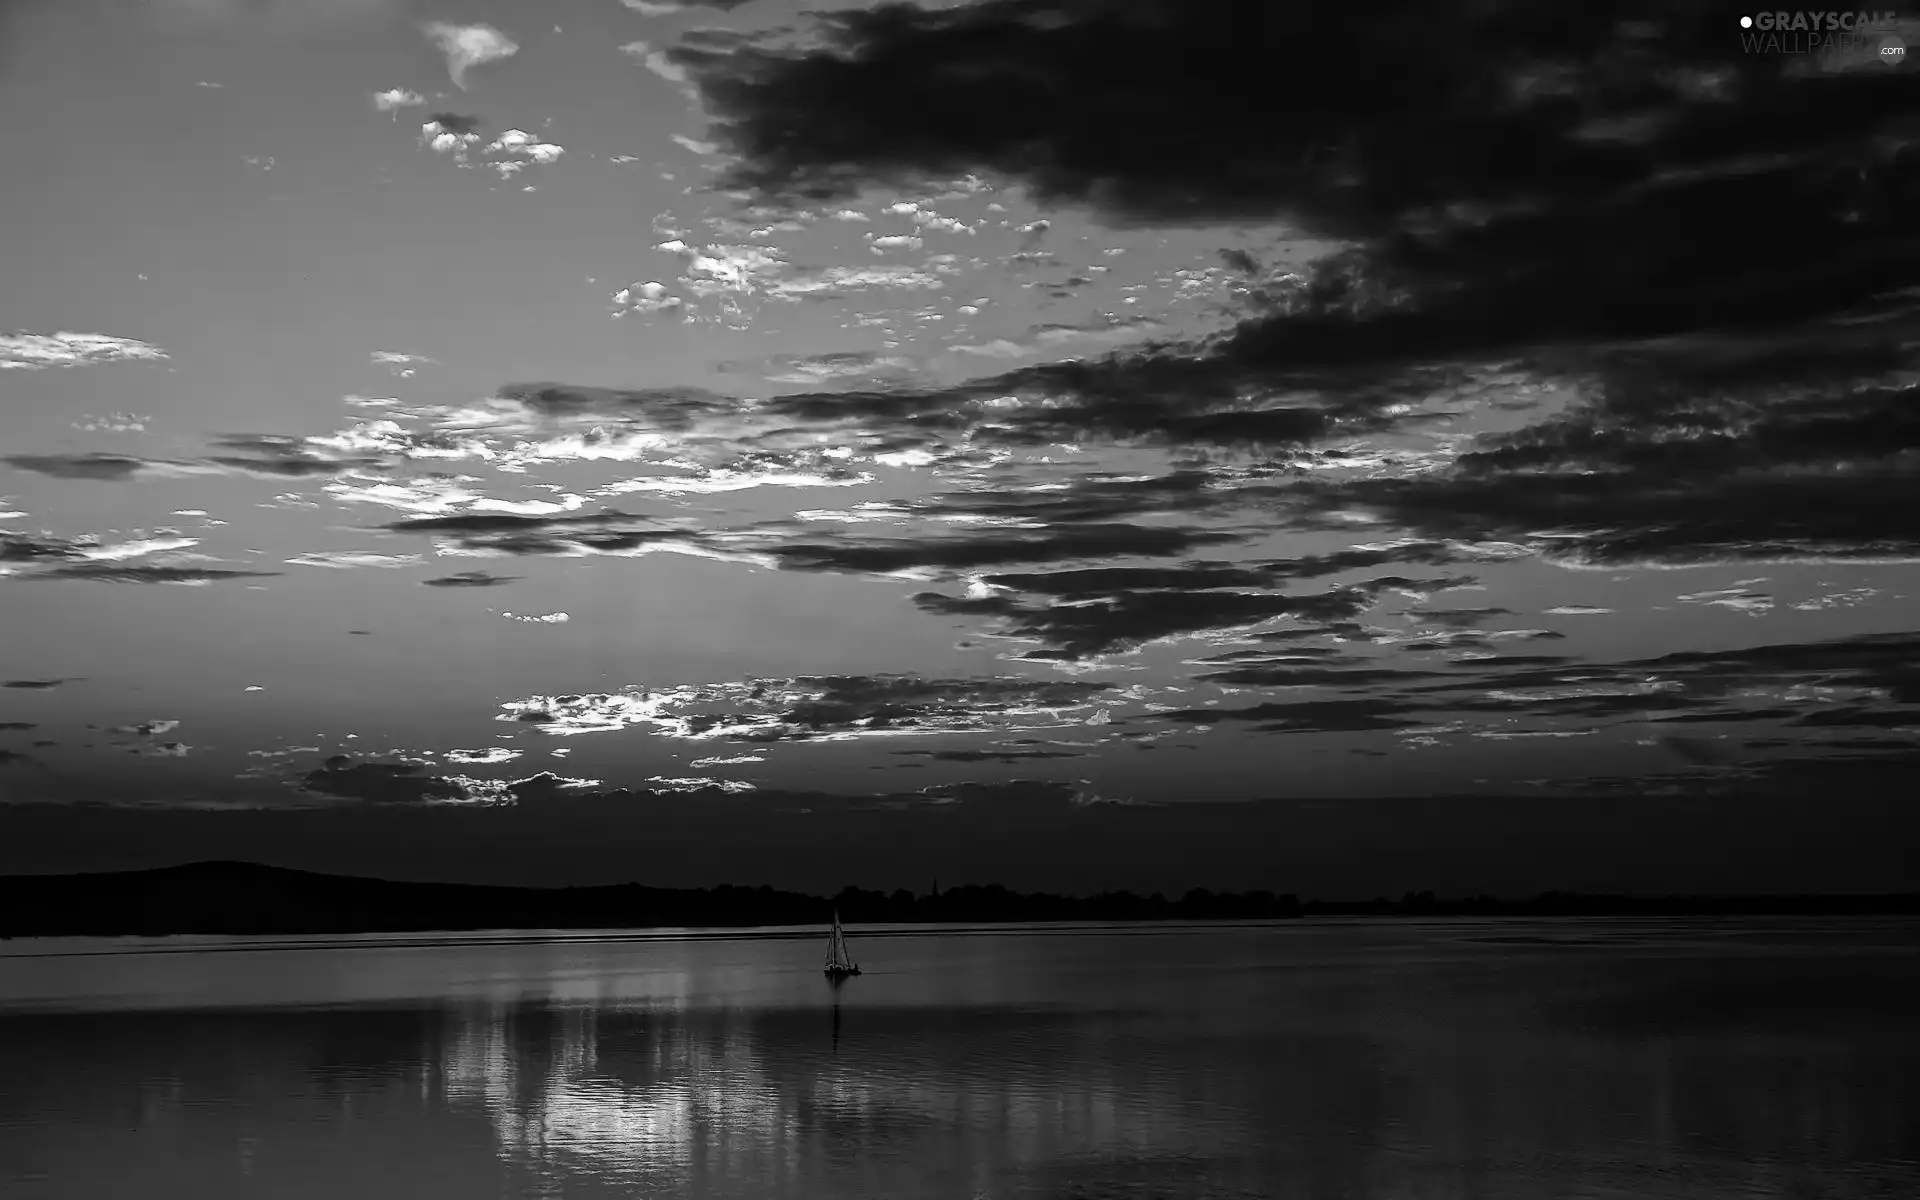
[[1079, 444]]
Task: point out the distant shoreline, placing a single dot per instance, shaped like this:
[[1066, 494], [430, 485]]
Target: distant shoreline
[[28, 946], [249, 899]]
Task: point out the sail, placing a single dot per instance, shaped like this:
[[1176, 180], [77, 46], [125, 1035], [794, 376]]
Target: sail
[[837, 957]]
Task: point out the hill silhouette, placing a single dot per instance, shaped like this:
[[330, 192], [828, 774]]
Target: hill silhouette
[[253, 898]]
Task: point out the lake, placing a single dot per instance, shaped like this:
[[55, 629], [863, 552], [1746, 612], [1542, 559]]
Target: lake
[[1316, 1059]]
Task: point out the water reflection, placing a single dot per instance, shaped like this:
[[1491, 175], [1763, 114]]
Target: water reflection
[[1375, 1067], [836, 985]]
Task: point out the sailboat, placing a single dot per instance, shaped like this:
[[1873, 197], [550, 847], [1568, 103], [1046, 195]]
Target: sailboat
[[840, 964]]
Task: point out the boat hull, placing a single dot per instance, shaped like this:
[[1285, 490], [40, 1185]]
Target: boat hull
[[841, 972]]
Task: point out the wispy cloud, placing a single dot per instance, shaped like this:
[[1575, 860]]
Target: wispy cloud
[[656, 61], [352, 559], [469, 46], [406, 366], [394, 99], [37, 351]]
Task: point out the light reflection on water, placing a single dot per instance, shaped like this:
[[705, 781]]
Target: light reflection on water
[[1345, 1060]]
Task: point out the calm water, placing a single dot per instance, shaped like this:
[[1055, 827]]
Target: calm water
[[1330, 1059]]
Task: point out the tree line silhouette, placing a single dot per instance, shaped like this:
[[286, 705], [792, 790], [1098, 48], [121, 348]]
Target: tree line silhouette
[[248, 898]]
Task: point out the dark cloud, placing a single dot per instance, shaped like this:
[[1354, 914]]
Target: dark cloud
[[1518, 156], [1308, 676], [381, 783], [1055, 543], [469, 579], [14, 758], [1084, 626], [984, 756], [1654, 470], [1521, 660], [1458, 618], [1311, 566], [1093, 581], [21, 547], [277, 456], [146, 729], [80, 466], [1318, 716], [1583, 199], [506, 523], [1241, 261], [675, 409], [16, 726], [116, 573], [457, 124], [36, 684], [1863, 683], [501, 533]]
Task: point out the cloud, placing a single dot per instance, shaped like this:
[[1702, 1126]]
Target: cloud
[[40, 549], [351, 559], [1850, 686], [469, 46], [693, 145], [663, 8], [1586, 217], [437, 136], [38, 351], [491, 754], [881, 555], [645, 298], [279, 456], [403, 363], [1045, 337], [399, 783], [808, 708], [981, 756], [119, 422], [394, 99], [657, 61], [112, 467], [408, 784], [1314, 716], [147, 729], [188, 576], [1806, 471], [870, 367], [469, 579], [35, 684], [458, 125], [518, 142], [1124, 619], [21, 547]]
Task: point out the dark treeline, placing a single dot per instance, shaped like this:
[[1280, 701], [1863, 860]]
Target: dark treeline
[[245, 898]]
